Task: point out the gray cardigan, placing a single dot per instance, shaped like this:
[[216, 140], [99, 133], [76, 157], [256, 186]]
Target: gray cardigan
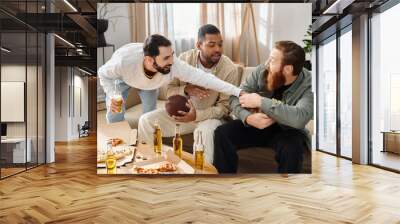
[[294, 111]]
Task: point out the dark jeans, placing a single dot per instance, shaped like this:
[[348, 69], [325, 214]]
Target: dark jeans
[[289, 145]]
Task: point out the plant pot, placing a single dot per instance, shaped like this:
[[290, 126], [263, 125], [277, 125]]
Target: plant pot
[[102, 26], [307, 65]]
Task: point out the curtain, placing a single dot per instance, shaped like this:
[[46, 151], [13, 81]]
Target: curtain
[[227, 17], [139, 21], [249, 29], [180, 22]]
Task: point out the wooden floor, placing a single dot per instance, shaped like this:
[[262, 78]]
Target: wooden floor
[[69, 191], [386, 159], [10, 171]]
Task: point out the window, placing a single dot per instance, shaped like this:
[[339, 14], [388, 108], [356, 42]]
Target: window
[[186, 20], [385, 86], [327, 96], [346, 94]]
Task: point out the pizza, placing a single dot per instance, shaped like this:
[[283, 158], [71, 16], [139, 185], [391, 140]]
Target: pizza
[[116, 141], [164, 167], [101, 158], [167, 167]]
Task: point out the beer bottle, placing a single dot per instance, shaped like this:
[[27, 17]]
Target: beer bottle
[[111, 161], [157, 138], [177, 142], [199, 153], [118, 96]]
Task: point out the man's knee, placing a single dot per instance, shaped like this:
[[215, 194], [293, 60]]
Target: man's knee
[[228, 128], [292, 142], [114, 117], [144, 120], [208, 127], [220, 131]]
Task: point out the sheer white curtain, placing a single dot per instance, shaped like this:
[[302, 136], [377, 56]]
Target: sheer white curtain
[[180, 23], [241, 27], [227, 17]]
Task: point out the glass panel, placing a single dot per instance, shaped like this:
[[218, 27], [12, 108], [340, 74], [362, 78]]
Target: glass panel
[[31, 98], [327, 96], [31, 86], [346, 94], [385, 84], [13, 87], [41, 98]]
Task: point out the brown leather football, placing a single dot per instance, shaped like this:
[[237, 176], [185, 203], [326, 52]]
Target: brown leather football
[[176, 103]]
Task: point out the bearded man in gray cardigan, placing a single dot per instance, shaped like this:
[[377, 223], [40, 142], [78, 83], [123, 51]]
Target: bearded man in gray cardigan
[[274, 113]]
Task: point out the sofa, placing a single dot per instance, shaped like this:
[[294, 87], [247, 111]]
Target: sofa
[[251, 160]]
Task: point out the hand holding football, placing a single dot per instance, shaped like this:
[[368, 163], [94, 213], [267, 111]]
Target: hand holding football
[[176, 103]]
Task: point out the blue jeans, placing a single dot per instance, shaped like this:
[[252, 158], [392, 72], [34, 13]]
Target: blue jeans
[[148, 98]]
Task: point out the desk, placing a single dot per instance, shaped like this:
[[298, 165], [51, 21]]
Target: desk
[[391, 141], [123, 130], [148, 151], [16, 147]]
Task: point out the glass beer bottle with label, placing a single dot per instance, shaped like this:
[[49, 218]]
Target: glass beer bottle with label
[[157, 138], [199, 152], [177, 142], [111, 161], [117, 96]]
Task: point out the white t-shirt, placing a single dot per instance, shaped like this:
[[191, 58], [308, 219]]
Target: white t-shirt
[[127, 64], [200, 66]]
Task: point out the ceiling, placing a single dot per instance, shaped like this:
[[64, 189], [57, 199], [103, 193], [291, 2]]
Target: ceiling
[[330, 15], [74, 22]]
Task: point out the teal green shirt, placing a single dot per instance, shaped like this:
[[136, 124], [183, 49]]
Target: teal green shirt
[[295, 109]]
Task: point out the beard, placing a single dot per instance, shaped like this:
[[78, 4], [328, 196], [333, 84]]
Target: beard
[[213, 59], [163, 70], [275, 80]]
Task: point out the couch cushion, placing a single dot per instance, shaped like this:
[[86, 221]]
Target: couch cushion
[[162, 95], [133, 114], [133, 98], [246, 72], [239, 70]]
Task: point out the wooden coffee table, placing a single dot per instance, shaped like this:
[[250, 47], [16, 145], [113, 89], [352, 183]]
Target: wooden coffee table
[[123, 130]]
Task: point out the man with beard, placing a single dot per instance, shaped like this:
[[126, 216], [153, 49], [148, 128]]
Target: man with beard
[[273, 114], [207, 108], [147, 67]]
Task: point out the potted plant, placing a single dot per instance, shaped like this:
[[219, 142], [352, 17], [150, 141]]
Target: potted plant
[[308, 47], [102, 26], [103, 21]]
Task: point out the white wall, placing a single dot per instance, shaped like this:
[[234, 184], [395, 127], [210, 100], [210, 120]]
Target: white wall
[[67, 120], [118, 33], [275, 22], [119, 23], [61, 103]]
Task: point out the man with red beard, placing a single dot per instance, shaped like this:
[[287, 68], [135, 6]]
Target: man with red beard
[[274, 113]]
